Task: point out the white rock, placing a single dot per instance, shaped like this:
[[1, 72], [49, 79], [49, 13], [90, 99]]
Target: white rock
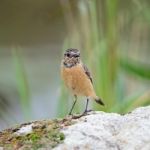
[[25, 129], [109, 131]]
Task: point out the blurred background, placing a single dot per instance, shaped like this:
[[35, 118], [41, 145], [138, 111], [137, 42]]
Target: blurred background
[[113, 37]]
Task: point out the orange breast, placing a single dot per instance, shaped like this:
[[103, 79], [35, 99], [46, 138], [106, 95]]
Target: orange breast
[[76, 80]]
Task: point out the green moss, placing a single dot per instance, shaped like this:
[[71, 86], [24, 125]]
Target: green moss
[[45, 134], [62, 136], [34, 137]]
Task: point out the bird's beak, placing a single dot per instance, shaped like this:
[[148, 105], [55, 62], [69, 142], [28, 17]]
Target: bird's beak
[[76, 55]]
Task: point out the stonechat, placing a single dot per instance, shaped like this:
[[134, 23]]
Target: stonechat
[[77, 77]]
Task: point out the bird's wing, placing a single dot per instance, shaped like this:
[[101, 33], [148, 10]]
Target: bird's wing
[[87, 72]]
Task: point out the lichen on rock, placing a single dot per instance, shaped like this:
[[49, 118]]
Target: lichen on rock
[[34, 135]]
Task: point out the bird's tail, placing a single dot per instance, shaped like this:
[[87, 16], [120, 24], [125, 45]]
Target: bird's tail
[[99, 101]]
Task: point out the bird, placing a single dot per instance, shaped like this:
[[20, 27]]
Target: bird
[[77, 78]]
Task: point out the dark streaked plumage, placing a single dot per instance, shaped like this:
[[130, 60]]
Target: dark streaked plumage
[[88, 73]]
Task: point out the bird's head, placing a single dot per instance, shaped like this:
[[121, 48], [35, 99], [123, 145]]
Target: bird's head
[[71, 57]]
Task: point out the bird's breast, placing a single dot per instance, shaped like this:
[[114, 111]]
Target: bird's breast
[[76, 80]]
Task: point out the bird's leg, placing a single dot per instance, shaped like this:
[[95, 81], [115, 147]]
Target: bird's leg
[[87, 102], [86, 108], [85, 111], [73, 104]]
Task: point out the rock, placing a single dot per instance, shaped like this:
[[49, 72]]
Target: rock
[[95, 131], [109, 131]]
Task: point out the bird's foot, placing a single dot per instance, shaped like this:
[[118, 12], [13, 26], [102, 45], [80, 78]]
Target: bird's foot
[[80, 115], [85, 112], [88, 110]]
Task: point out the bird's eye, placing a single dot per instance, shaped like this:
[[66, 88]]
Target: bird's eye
[[68, 55]]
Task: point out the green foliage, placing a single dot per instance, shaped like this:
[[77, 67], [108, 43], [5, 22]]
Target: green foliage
[[97, 30], [22, 83], [135, 68]]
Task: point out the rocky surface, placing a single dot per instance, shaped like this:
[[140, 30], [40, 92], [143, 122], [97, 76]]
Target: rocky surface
[[109, 131], [95, 131]]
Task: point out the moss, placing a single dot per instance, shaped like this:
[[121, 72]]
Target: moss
[[45, 134]]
